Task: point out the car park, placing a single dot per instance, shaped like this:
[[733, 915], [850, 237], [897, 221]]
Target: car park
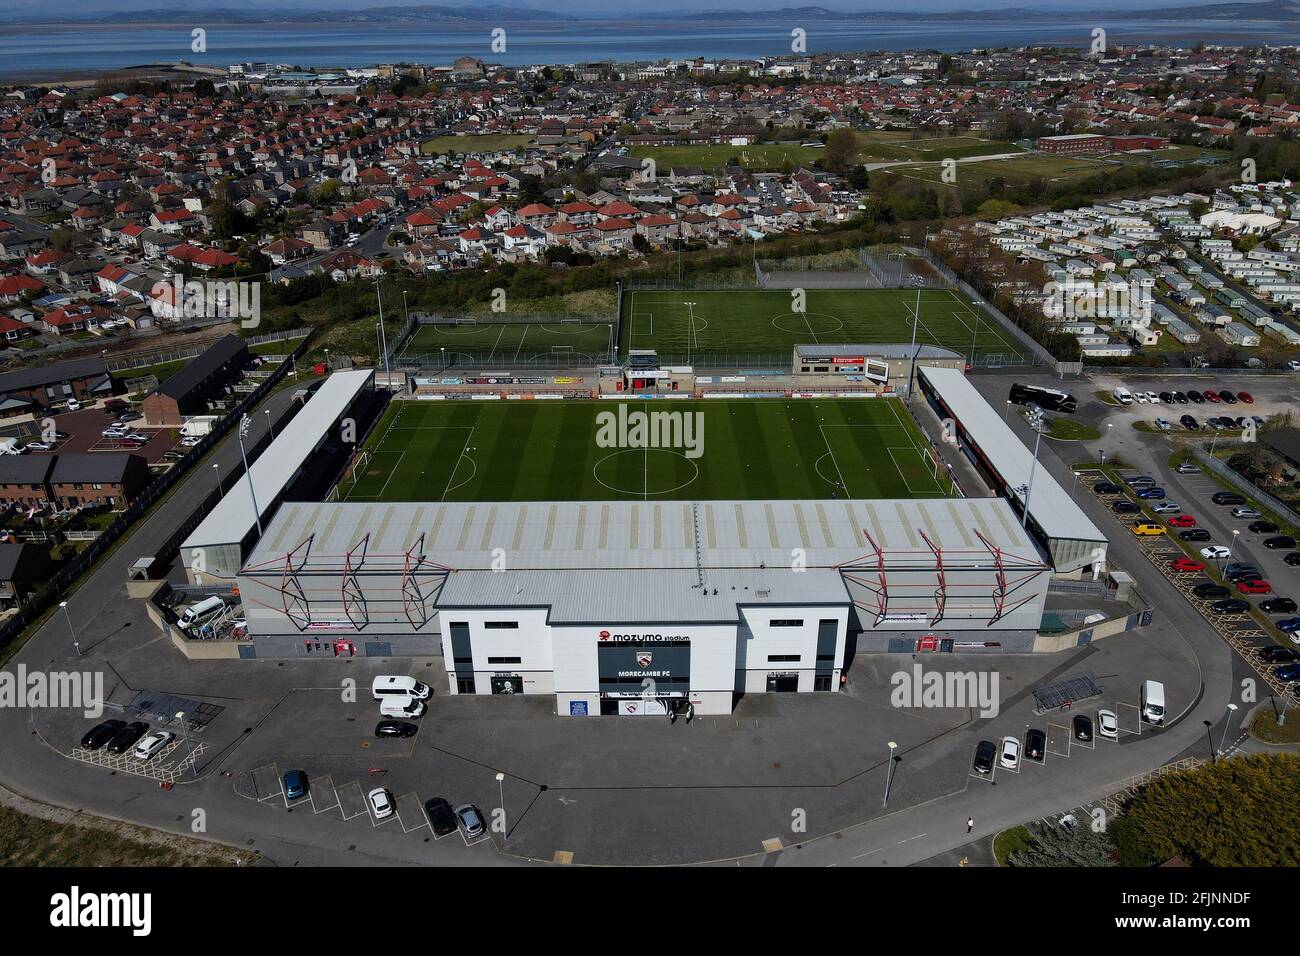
[[1257, 586], [295, 784], [1230, 606], [101, 733], [985, 751], [1262, 527], [1276, 654], [125, 738], [441, 817], [1009, 756], [1082, 727], [381, 803], [470, 820], [1278, 605], [1107, 724], [1279, 542], [1167, 508], [1035, 744], [147, 748], [1194, 534], [1182, 521], [1209, 591], [1186, 565], [1216, 552], [396, 728]]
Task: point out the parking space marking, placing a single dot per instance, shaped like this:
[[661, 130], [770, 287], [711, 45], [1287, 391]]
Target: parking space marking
[[160, 767], [410, 813], [352, 802], [1054, 734], [329, 796], [266, 782], [1128, 717]]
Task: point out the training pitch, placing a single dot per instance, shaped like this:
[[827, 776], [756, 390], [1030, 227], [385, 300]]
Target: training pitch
[[557, 451], [688, 323], [483, 342]]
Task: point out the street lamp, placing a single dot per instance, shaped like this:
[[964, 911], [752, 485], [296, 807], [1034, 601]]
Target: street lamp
[[216, 470], [1226, 720], [248, 475], [442, 354], [71, 629], [185, 737], [383, 338], [501, 792], [269, 427], [1109, 426], [1036, 420], [889, 775], [1232, 543], [1006, 409]]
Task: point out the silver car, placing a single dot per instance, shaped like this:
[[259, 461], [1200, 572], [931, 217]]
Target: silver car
[[470, 820]]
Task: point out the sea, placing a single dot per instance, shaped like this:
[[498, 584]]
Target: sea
[[60, 51]]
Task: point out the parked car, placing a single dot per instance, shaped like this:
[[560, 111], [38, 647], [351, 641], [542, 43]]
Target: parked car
[[1164, 424], [1185, 565], [1279, 542], [984, 754], [1246, 397], [396, 728], [470, 820], [1082, 727], [1227, 498], [1189, 421], [1209, 590], [1289, 625], [1215, 552], [1230, 606], [1292, 559], [1262, 527], [1196, 397], [1107, 724], [1257, 586], [1243, 513], [1187, 468], [125, 738], [151, 745], [1035, 744], [1276, 654], [101, 733], [1180, 398], [1167, 397], [295, 784], [381, 803], [1278, 605], [1145, 529], [1167, 508], [1183, 521], [1152, 397], [1151, 494], [1227, 398], [1106, 488], [1139, 481], [1194, 534], [1125, 507], [1009, 756], [441, 818], [1212, 396], [1287, 672]]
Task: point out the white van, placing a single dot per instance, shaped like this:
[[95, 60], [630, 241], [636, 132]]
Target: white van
[[400, 705], [1123, 396], [200, 612], [382, 687], [10, 446], [1153, 702]]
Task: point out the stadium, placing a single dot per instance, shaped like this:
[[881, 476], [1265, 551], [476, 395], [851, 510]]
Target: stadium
[[660, 536]]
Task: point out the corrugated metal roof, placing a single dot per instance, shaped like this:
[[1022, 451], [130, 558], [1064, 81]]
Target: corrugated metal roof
[[233, 517]]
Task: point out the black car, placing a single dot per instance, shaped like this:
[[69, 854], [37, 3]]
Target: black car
[[1230, 606], [1180, 398], [1228, 398], [101, 734], [1278, 605], [1227, 498], [984, 754], [1242, 574], [1106, 488], [440, 816], [126, 737], [1196, 397], [1125, 507], [1167, 397], [1035, 744], [1210, 590], [1195, 534], [1188, 421], [1293, 558], [1279, 542], [1082, 727], [395, 728], [1262, 527], [1274, 654]]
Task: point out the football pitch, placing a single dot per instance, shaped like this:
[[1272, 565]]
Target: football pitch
[[470, 341], [591, 451], [685, 323]]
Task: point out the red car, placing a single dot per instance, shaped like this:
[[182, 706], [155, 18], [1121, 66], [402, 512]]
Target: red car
[[1212, 396], [130, 443], [1187, 564], [1182, 521], [1254, 587], [1246, 397]]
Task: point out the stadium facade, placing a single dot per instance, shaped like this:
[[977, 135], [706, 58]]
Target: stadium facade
[[636, 607]]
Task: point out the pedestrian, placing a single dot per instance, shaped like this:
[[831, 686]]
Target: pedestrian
[[970, 824]]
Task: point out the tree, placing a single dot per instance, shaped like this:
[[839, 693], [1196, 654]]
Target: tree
[[1074, 845], [841, 145]]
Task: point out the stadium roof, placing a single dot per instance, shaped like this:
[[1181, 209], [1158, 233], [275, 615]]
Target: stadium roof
[[898, 351], [639, 560], [232, 519], [200, 368], [1050, 505]]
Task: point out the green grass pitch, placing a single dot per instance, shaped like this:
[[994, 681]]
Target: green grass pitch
[[485, 342], [762, 321], [548, 451]]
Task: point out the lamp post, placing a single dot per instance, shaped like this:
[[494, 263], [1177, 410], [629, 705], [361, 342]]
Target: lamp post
[[383, 338], [1226, 720], [916, 318], [1109, 426], [185, 737], [71, 630], [216, 470], [501, 792], [1232, 543], [248, 476], [1036, 419], [889, 775], [269, 427], [1006, 408]]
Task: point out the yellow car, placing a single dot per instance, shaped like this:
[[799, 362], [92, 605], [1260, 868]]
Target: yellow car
[[1146, 529]]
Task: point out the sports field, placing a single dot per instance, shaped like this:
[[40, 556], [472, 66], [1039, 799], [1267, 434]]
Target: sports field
[[482, 341], [702, 323], [562, 451]]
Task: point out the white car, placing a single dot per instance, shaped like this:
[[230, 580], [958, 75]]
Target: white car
[[1244, 512], [111, 432], [381, 803], [152, 744], [1215, 552], [1164, 425], [191, 441], [1153, 398], [1107, 723], [1294, 365], [1010, 755], [1167, 508], [1140, 397]]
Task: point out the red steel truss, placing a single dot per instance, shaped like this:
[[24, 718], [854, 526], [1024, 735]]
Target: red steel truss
[[354, 598]]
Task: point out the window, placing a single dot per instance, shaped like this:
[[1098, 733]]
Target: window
[[822, 682], [786, 622], [504, 660], [783, 658], [465, 685], [500, 625]]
